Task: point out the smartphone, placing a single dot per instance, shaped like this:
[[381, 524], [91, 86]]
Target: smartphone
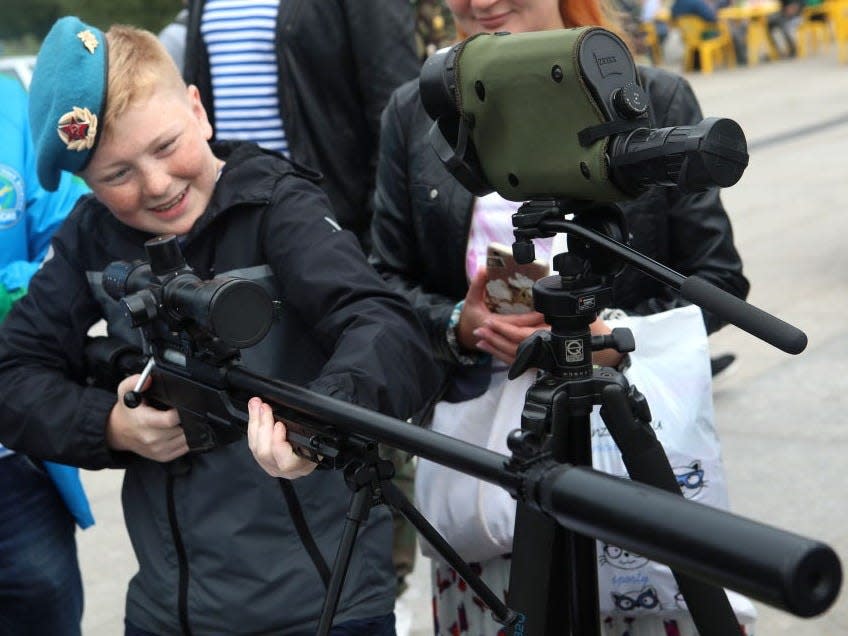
[[509, 288]]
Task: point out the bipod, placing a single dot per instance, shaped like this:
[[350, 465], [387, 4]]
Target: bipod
[[369, 477]]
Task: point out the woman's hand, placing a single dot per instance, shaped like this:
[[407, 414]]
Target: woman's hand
[[146, 431], [267, 441], [500, 334], [481, 329]]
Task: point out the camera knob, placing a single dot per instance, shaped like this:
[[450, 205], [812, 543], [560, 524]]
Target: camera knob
[[630, 101]]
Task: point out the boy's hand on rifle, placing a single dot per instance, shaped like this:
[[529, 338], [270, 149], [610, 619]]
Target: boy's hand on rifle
[[144, 430], [267, 441]]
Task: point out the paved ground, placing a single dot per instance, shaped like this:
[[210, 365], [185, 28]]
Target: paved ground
[[782, 418]]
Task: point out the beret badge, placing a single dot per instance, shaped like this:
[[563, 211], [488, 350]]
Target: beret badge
[[78, 129], [89, 40]]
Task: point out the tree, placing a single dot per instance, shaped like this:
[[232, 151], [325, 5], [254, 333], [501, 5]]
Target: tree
[[147, 14], [22, 18]]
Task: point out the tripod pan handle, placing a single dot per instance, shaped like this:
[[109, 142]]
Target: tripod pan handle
[[744, 315]]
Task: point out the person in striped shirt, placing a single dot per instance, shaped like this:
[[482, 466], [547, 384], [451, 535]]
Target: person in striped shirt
[[306, 79]]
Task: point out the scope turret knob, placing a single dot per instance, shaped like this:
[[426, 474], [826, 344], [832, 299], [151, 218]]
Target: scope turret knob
[[141, 307], [630, 101]]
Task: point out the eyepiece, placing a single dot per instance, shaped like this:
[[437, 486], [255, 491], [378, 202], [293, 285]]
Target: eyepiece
[[692, 158], [122, 278]]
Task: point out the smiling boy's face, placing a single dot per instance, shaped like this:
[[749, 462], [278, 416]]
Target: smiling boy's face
[[154, 168]]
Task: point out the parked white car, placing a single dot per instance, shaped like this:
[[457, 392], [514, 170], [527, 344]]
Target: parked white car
[[19, 67]]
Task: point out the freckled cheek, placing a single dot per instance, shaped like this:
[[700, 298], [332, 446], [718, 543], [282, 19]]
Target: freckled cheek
[[187, 165], [124, 204]]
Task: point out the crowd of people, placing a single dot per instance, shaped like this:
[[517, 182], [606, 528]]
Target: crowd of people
[[286, 143]]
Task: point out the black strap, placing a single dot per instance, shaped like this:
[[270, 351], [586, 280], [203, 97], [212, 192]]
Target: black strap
[[182, 555], [303, 531], [590, 135]]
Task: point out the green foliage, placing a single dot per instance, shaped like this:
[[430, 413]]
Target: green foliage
[[147, 14], [24, 20]]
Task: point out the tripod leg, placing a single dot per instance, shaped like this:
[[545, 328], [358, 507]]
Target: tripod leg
[[360, 504], [401, 503], [646, 462], [554, 576], [542, 558]]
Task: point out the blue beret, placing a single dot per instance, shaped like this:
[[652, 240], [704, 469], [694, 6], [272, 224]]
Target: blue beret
[[67, 98]]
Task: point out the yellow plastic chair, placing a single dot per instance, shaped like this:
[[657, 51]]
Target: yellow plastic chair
[[713, 51], [648, 31], [838, 15], [814, 30]]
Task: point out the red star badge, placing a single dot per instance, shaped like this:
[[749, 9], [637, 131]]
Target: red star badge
[[77, 129]]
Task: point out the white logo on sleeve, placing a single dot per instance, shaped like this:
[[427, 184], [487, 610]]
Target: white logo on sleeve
[[333, 223], [12, 199], [47, 256]]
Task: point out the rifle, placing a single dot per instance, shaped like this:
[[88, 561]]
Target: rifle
[[192, 332]]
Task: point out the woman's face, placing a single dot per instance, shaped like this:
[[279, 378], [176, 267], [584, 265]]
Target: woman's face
[[515, 16]]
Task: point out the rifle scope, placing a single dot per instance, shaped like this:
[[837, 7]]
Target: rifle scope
[[238, 312]]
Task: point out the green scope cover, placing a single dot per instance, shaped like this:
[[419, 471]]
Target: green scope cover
[[525, 123]]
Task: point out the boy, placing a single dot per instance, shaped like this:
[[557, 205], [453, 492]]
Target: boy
[[222, 547]]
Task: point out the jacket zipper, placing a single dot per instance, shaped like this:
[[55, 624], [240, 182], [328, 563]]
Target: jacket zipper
[[182, 559]]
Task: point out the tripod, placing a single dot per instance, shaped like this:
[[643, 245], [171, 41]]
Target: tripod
[[555, 422], [553, 579], [369, 477]]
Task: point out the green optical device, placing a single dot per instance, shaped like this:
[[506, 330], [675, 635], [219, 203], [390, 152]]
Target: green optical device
[[561, 115]]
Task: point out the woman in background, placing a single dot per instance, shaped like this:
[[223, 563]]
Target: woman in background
[[430, 236]]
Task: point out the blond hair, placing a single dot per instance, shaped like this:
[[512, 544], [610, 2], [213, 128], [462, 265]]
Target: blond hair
[[138, 65]]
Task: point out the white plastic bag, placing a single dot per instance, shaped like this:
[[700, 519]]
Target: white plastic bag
[[475, 517], [671, 368]]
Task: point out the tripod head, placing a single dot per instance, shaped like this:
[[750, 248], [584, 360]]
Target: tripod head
[[571, 300]]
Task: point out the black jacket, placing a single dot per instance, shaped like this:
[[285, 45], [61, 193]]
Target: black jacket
[[422, 217], [341, 332], [338, 61]]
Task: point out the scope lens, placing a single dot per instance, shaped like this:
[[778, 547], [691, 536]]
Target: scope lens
[[237, 311], [437, 83]]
